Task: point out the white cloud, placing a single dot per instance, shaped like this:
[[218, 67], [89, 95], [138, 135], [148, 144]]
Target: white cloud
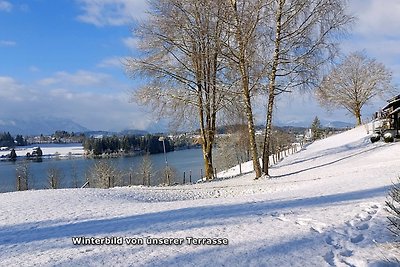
[[131, 42], [5, 6], [114, 62], [95, 110], [111, 12], [376, 32], [80, 78], [10, 88], [377, 17], [304, 107], [7, 43]]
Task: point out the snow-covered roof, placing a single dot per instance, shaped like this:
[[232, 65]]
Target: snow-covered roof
[[392, 102], [397, 110]]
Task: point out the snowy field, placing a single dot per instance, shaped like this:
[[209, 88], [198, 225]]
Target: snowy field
[[323, 206], [49, 150]]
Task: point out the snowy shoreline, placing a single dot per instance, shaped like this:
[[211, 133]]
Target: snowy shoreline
[[323, 206], [73, 150]]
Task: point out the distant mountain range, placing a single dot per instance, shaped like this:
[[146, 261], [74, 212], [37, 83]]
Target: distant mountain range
[[47, 126], [37, 126], [307, 124], [121, 133]]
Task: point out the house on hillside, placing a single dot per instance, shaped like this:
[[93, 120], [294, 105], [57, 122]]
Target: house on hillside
[[386, 123], [391, 113]]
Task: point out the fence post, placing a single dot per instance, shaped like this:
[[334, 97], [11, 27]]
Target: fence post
[[190, 176], [19, 183], [215, 173], [184, 177]]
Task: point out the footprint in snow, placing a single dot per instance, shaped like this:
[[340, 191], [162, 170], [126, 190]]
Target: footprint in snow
[[346, 253], [363, 226], [280, 217], [314, 225], [330, 240], [357, 239], [330, 258], [375, 206], [364, 217]]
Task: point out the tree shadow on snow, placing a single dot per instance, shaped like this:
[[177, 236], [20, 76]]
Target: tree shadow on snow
[[324, 164], [173, 220], [344, 148]]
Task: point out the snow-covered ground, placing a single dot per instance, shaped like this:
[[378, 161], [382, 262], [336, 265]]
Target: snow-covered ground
[[75, 150], [323, 206]]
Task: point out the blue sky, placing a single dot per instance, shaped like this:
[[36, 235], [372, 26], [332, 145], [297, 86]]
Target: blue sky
[[62, 59]]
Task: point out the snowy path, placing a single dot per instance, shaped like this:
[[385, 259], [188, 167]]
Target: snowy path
[[324, 206]]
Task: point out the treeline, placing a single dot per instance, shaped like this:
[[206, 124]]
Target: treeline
[[126, 144], [67, 137], [7, 140]]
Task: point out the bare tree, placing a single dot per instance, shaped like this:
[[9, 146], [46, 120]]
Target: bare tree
[[22, 176], [302, 34], [233, 148], [169, 173], [181, 64], [104, 175], [145, 169], [54, 177], [243, 25], [74, 175], [354, 83]]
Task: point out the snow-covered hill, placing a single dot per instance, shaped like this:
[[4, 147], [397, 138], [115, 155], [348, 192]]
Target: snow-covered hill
[[323, 206], [37, 126]]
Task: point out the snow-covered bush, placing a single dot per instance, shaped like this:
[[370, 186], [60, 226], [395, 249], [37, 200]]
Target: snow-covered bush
[[393, 206], [388, 137], [375, 138]]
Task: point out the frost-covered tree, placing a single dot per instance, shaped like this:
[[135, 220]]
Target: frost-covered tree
[[54, 177], [355, 82], [104, 175], [300, 38], [146, 169], [181, 66], [22, 176], [244, 28]]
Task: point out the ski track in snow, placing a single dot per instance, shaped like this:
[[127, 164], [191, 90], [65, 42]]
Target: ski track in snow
[[323, 206]]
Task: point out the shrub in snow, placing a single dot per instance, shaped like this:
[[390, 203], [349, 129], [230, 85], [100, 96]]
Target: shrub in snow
[[104, 175], [388, 137], [393, 206], [375, 138], [169, 175], [54, 177]]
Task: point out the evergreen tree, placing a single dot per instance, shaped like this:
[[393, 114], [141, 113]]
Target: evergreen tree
[[13, 155], [6, 140], [316, 129], [20, 140]]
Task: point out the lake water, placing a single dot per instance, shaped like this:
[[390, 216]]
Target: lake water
[[188, 161]]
